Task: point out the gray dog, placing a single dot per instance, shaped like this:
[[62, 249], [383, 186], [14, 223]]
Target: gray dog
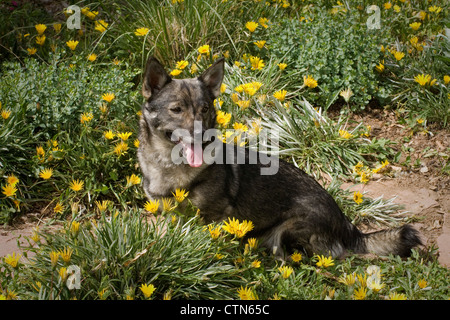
[[289, 209]]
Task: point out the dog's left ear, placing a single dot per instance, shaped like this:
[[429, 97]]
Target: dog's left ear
[[213, 76]]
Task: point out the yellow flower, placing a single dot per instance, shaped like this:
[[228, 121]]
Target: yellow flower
[[120, 148], [46, 174], [12, 179], [194, 69], [57, 27], [345, 134], [435, 9], [9, 190], [296, 257], [348, 279], [257, 63], [422, 15], [108, 96], [101, 25], [324, 261], [152, 206], [397, 296], [240, 126], [246, 294], [40, 28], [86, 117], [243, 228], [285, 271], [422, 283], [214, 231], [280, 95], [182, 64], [141, 32], [6, 114], [256, 264], [168, 204], [360, 294], [422, 79], [124, 135], [243, 104], [252, 243], [397, 8], [92, 57], [357, 197], [446, 79], [63, 273], [282, 66], [133, 180], [309, 82], [59, 208], [66, 254], [364, 178], [251, 26], [102, 206], [31, 51], [263, 22], [12, 260], [74, 227], [380, 66], [54, 255], [398, 55], [40, 40], [239, 229], [35, 235], [72, 44], [260, 44], [223, 118], [204, 49], [175, 72], [147, 290], [180, 195], [136, 143], [415, 25], [109, 135], [387, 5], [76, 185]]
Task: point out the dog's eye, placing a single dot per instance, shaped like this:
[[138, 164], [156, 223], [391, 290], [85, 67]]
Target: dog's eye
[[176, 110], [205, 109]]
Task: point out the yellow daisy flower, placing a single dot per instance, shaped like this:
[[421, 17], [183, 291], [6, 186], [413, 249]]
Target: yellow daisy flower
[[46, 174]]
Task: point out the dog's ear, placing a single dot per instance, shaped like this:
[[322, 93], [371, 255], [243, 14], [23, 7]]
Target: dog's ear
[[213, 76], [155, 78]]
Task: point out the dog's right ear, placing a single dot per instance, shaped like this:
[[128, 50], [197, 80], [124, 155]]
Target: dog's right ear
[[155, 78]]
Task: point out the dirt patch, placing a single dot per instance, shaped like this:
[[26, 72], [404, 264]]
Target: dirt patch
[[420, 179]]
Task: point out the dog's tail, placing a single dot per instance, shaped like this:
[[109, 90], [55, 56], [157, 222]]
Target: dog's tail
[[397, 241]]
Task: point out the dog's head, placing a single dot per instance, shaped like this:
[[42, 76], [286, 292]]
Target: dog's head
[[184, 105]]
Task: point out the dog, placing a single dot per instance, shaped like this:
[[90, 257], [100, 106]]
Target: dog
[[289, 209]]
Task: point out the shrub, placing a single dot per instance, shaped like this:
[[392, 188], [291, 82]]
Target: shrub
[[57, 121], [337, 51]]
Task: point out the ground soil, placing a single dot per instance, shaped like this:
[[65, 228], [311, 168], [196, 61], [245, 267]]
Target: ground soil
[[424, 190], [421, 184]]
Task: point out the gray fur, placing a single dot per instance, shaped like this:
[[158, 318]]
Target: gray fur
[[290, 210]]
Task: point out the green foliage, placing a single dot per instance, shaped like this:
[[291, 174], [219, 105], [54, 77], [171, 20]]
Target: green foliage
[[336, 51], [45, 114]]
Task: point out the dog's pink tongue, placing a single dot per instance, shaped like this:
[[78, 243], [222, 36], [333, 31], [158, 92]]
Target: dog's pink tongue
[[194, 154]]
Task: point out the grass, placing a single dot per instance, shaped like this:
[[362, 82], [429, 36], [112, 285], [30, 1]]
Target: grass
[[55, 115]]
